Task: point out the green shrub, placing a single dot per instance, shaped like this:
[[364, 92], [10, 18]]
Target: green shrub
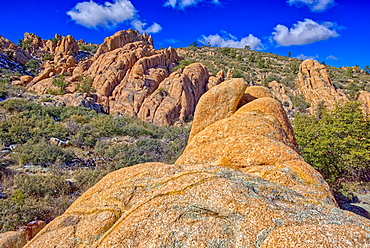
[[182, 64], [336, 143], [86, 85], [92, 48], [61, 84], [299, 103], [40, 186], [273, 77], [48, 56], [33, 65], [42, 153]]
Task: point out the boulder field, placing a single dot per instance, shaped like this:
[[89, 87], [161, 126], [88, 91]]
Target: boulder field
[[130, 78], [239, 183]]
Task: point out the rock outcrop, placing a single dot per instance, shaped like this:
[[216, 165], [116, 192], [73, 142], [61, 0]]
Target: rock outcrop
[[364, 98], [120, 39], [216, 80], [11, 49], [131, 78], [239, 183], [67, 46], [19, 238], [176, 97], [315, 85]]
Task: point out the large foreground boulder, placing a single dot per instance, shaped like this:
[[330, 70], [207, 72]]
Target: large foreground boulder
[[239, 183]]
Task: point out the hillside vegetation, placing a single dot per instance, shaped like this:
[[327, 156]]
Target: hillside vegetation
[[262, 68], [60, 152]]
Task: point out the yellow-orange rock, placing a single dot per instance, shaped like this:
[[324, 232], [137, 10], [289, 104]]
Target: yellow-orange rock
[[253, 93], [316, 86], [253, 191], [219, 102], [364, 98], [43, 86]]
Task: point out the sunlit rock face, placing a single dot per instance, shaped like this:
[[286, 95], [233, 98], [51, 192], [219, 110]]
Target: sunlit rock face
[[239, 183]]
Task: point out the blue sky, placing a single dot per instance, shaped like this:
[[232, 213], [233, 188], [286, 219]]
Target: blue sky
[[334, 31]]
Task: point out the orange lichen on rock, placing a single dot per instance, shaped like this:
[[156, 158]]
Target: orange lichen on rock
[[240, 183]]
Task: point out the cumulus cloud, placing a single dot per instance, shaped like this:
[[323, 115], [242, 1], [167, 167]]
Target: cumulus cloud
[[332, 57], [182, 4], [109, 15], [314, 5], [304, 57], [139, 26], [228, 40], [92, 15], [303, 32]]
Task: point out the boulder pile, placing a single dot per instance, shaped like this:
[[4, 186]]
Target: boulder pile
[[239, 183]]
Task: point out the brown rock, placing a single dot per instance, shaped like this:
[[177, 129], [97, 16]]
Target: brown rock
[[219, 102], [49, 46], [120, 39], [81, 67], [176, 97], [67, 46], [110, 68], [19, 55], [316, 86], [12, 240], [20, 237], [364, 98], [43, 86], [26, 79], [239, 183], [216, 80], [35, 44], [45, 74], [277, 87], [141, 81]]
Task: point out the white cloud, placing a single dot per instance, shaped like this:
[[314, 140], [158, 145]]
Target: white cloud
[[182, 4], [304, 57], [139, 26], [303, 32], [231, 41], [314, 5], [332, 57], [92, 15]]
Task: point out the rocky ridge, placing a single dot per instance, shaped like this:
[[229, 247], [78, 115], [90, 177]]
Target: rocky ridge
[[126, 71], [239, 183], [130, 77]]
